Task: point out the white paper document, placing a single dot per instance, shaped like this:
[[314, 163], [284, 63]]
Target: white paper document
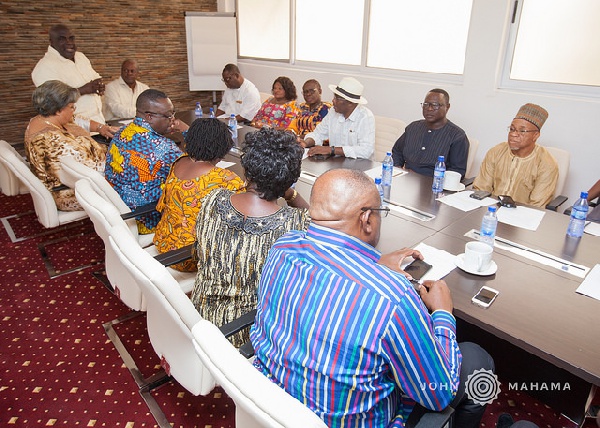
[[464, 202], [376, 172], [591, 285], [592, 229], [442, 262], [523, 217], [224, 164]]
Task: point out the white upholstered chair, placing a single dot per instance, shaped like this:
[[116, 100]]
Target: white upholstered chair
[[563, 158], [9, 183], [258, 401], [473, 147], [387, 131]]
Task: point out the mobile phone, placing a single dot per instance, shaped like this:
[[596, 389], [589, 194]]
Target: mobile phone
[[485, 297], [506, 201], [417, 269], [480, 194]]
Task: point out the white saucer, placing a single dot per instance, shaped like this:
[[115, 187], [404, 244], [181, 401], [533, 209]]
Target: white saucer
[[460, 188], [459, 260]]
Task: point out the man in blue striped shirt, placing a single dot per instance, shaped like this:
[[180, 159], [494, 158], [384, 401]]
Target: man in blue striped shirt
[[339, 328]]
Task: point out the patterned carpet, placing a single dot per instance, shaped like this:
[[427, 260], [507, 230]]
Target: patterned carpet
[[58, 368]]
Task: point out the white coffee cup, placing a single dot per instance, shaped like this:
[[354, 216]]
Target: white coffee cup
[[452, 181], [478, 256]]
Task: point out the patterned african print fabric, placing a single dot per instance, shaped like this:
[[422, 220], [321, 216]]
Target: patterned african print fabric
[[231, 250], [276, 115], [179, 205], [308, 118], [137, 164], [48, 143]]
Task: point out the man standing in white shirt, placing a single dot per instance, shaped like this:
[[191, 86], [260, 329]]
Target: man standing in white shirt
[[241, 96], [349, 127], [122, 93], [63, 62]]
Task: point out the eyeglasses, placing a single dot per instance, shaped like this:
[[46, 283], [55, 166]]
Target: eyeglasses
[[337, 98], [383, 211], [161, 115], [512, 130], [228, 78], [309, 91], [435, 106]]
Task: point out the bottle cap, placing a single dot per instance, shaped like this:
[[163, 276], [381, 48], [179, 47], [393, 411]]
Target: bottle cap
[[492, 208], [584, 195], [378, 180], [440, 158], [388, 153], [232, 116]]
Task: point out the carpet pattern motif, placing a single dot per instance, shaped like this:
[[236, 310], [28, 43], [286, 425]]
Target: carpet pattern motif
[[58, 368]]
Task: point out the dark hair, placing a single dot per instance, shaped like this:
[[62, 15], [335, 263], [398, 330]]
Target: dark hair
[[231, 68], [52, 96], [288, 87], [444, 93], [272, 161], [315, 81], [208, 139], [149, 96]]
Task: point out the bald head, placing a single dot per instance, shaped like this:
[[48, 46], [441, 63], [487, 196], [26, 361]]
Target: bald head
[[336, 201]]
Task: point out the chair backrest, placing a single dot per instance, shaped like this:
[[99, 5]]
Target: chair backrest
[[258, 401], [473, 146], [44, 205], [9, 183], [264, 96], [170, 314], [563, 158], [105, 216], [387, 131]]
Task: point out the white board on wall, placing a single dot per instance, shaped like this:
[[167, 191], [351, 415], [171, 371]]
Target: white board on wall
[[211, 43]]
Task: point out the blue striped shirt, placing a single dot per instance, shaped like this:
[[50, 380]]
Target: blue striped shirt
[[348, 337]]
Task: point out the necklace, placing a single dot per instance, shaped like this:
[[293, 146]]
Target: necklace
[[55, 125]]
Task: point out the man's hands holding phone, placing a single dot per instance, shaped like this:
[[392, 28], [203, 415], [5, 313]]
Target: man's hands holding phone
[[436, 295]]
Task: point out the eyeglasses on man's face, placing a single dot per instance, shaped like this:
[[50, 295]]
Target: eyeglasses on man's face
[[434, 106], [226, 79], [164, 116], [383, 211], [521, 132]]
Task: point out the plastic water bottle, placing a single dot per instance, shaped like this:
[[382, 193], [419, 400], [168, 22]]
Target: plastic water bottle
[[233, 126], [211, 113], [387, 170], [379, 188], [488, 226], [578, 216], [198, 110], [438, 175]]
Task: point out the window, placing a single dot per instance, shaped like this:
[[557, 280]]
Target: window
[[554, 42], [263, 29], [428, 36]]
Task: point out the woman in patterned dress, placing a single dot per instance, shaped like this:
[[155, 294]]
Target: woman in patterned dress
[[235, 231], [53, 134], [279, 110], [194, 175]]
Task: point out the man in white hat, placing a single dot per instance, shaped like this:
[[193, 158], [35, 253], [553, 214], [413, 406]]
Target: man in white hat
[[349, 126]]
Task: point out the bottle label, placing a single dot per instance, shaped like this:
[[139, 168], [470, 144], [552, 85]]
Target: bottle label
[[578, 214]]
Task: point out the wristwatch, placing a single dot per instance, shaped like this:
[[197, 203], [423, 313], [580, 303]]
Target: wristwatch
[[332, 150]]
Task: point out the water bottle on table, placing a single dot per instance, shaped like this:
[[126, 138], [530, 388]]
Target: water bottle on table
[[387, 171], [489, 223], [578, 216], [438, 175], [198, 110], [211, 113], [233, 126], [379, 188]]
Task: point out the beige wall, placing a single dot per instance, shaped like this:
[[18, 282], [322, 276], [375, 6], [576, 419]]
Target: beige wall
[[107, 32]]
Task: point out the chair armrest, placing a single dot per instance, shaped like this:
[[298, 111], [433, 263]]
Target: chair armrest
[[175, 256], [556, 202], [247, 350], [467, 181], [238, 324], [144, 209], [436, 419], [59, 188]]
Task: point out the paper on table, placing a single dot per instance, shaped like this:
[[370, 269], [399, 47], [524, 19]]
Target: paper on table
[[591, 285], [464, 202], [305, 155], [376, 172], [593, 229], [224, 164], [523, 217], [442, 261]]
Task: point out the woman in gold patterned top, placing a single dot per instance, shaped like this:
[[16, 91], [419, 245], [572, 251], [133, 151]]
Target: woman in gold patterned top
[[53, 134], [234, 232], [193, 176]]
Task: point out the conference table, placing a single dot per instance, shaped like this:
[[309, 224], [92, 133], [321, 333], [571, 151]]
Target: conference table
[[542, 334]]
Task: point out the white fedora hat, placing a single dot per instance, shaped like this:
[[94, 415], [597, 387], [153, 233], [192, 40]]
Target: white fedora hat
[[349, 89]]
